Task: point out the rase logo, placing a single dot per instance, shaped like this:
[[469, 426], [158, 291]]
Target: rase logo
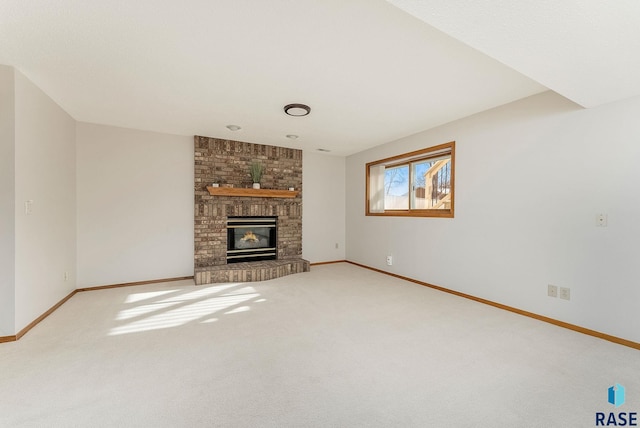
[[616, 396]]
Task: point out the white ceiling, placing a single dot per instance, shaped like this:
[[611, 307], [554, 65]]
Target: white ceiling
[[371, 72], [585, 50]]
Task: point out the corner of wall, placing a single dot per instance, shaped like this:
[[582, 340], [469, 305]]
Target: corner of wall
[[45, 175], [7, 201], [323, 207]]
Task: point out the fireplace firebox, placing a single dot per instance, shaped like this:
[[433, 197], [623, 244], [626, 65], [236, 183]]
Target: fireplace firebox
[[251, 239]]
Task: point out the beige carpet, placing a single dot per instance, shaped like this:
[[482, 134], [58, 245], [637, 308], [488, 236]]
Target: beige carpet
[[340, 346]]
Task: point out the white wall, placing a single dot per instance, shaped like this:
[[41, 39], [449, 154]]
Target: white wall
[[7, 202], [530, 178], [323, 207], [45, 241], [135, 205]]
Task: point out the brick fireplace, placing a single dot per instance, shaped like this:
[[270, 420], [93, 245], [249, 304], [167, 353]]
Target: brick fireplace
[[227, 163]]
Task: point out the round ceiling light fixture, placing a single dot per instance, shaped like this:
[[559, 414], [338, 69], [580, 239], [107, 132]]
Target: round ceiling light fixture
[[292, 136], [297, 109], [233, 127]]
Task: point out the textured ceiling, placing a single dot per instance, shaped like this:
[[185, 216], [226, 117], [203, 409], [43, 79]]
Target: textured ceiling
[[371, 72]]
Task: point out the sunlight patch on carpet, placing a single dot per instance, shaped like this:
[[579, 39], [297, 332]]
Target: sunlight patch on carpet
[[157, 310], [137, 297]]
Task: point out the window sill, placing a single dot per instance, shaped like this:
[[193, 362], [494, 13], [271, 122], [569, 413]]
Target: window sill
[[414, 213]]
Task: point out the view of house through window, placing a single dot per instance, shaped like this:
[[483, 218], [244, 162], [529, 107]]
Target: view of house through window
[[413, 184]]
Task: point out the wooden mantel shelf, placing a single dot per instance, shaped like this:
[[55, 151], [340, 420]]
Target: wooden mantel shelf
[[252, 193]]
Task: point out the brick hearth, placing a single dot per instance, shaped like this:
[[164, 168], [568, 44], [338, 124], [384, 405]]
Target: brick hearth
[[254, 271]]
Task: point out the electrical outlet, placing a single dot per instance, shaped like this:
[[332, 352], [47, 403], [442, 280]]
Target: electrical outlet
[[552, 290], [389, 260], [565, 293], [337, 246], [601, 220], [66, 276]]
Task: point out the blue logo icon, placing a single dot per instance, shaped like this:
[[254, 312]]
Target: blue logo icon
[[616, 395]]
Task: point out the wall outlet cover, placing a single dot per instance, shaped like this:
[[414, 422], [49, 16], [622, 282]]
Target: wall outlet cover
[[601, 220]]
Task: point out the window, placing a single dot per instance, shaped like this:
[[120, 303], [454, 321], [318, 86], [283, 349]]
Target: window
[[416, 184]]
